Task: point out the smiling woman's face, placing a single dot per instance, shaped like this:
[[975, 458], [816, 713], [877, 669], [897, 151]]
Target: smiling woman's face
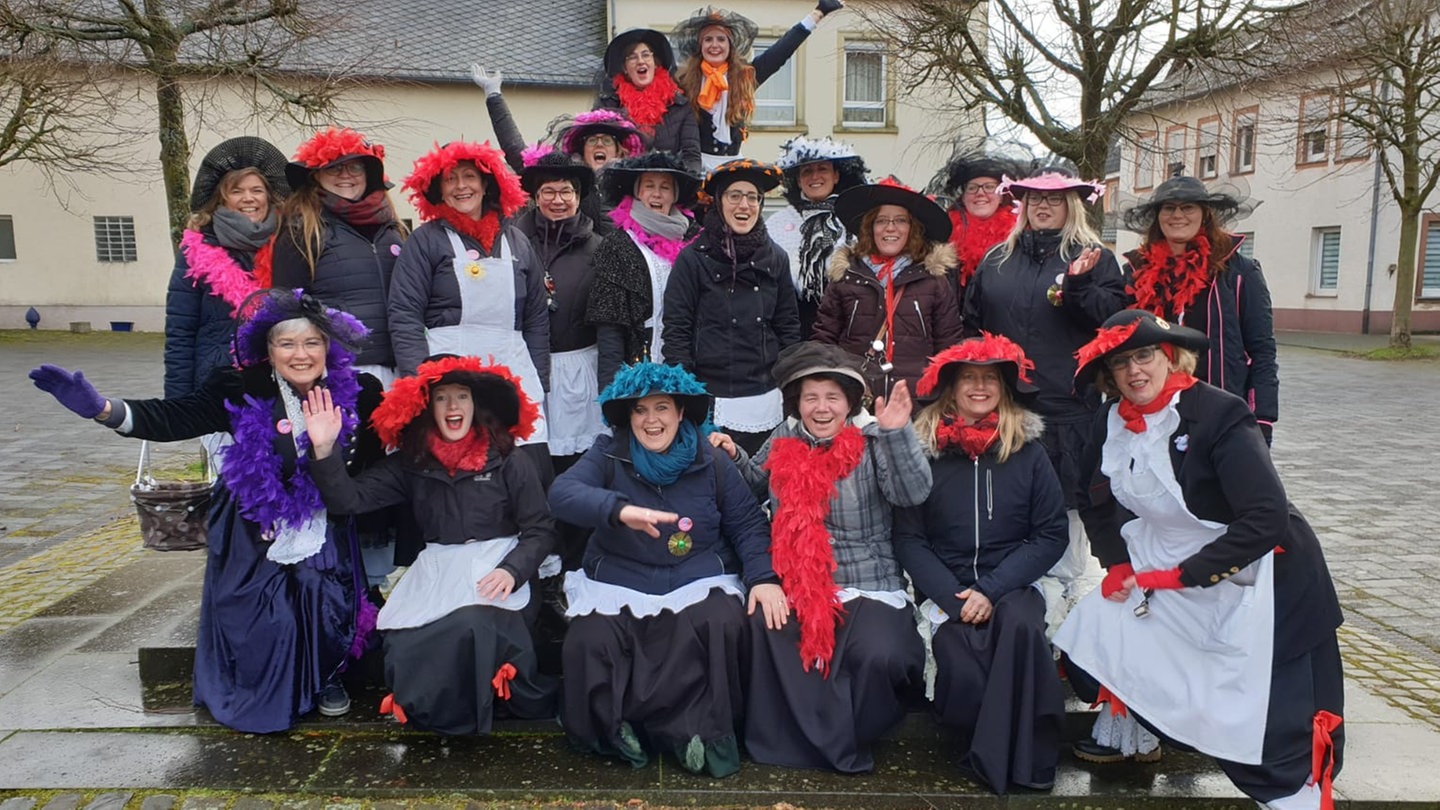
[[654, 421], [453, 407]]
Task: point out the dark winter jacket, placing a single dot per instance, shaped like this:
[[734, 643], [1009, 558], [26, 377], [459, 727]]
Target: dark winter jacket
[[1010, 299], [1226, 475], [677, 132], [730, 534], [927, 317], [1237, 318], [512, 143], [991, 526], [765, 66], [504, 499], [352, 274], [621, 302], [566, 251], [727, 322], [198, 326], [425, 295]]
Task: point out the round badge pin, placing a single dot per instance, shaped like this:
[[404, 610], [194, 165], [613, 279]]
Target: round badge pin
[[680, 544], [283, 427], [686, 524]]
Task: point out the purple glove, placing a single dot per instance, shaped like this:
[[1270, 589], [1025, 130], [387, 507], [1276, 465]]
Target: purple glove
[[70, 389]]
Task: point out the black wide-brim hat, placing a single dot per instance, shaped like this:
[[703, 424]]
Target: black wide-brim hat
[[618, 178], [244, 152], [1224, 205], [810, 358], [742, 30], [765, 176], [557, 166], [962, 170], [623, 41], [852, 205], [1131, 329]]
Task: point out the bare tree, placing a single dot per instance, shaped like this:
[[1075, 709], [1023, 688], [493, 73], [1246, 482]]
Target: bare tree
[[174, 43], [1067, 71], [1389, 98]]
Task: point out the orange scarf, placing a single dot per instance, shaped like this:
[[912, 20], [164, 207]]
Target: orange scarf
[[716, 83]]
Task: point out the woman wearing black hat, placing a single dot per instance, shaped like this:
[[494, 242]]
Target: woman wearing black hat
[[340, 235], [224, 257], [982, 216], [890, 301], [993, 525], [1215, 623], [638, 64], [651, 197], [823, 688], [282, 609], [456, 642], [1189, 270], [719, 79], [730, 306]]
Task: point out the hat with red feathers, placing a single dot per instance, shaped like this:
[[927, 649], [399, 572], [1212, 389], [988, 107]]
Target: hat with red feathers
[[985, 350], [502, 188], [1133, 329], [336, 145], [494, 387]]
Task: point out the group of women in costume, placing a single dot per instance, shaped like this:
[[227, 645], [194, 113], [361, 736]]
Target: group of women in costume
[[749, 451]]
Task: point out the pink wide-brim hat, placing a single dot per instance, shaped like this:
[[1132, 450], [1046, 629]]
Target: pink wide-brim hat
[[1053, 181]]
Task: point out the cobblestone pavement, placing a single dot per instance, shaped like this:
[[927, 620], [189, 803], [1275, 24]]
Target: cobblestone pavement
[[1356, 445], [117, 800]]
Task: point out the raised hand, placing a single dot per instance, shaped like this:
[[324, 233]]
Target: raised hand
[[724, 442], [70, 389], [1086, 261], [646, 520], [829, 6], [489, 82], [894, 413], [322, 421]]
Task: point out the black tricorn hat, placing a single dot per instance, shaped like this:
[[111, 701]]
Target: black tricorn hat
[[1133, 329]]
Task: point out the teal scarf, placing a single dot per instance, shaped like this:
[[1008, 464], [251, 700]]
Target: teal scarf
[[664, 469]]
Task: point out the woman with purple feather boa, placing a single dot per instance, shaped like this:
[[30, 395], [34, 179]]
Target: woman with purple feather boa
[[279, 614]]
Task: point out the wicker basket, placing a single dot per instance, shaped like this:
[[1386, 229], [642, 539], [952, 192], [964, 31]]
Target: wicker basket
[[173, 514]]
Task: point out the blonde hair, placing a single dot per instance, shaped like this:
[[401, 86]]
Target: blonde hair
[[1182, 360], [1011, 430], [228, 181], [302, 221], [1075, 235]]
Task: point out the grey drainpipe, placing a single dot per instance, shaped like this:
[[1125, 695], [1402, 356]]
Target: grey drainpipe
[[1374, 225]]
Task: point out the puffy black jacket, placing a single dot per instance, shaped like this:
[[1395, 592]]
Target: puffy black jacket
[[726, 322], [566, 251], [198, 326], [425, 294], [352, 273]]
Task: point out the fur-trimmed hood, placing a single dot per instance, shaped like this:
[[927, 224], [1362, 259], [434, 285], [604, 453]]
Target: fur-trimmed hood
[[1032, 425], [940, 260]]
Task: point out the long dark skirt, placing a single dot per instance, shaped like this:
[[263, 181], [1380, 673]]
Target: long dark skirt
[[441, 673], [270, 635], [808, 720], [673, 678], [996, 684]]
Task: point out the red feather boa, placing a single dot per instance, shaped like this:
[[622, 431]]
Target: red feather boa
[[1166, 284], [468, 453], [973, 237], [804, 480], [974, 440], [647, 107], [482, 230]]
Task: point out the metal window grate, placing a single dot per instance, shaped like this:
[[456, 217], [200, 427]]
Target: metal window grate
[[115, 239]]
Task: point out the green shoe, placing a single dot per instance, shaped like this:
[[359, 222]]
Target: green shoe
[[629, 747], [693, 758]]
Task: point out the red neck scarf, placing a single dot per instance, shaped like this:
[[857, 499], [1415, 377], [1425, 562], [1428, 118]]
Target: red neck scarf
[[646, 107], [371, 209], [974, 439], [467, 454], [1166, 284], [482, 230], [973, 237], [1134, 415], [804, 478], [885, 272]]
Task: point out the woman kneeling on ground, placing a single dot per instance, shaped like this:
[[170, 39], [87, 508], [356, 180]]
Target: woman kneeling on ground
[[823, 688], [454, 630]]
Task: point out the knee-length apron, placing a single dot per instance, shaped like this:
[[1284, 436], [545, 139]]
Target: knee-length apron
[[1198, 665], [487, 317]]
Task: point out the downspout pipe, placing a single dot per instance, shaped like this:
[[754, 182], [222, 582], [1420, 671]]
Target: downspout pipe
[[1374, 225]]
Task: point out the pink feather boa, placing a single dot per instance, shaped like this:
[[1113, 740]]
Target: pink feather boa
[[666, 249], [215, 266]]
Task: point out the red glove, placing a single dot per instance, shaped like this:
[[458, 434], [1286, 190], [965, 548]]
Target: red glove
[[1115, 577], [1167, 580]]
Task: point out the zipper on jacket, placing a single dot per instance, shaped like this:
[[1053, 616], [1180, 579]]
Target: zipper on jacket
[[850, 325], [923, 330], [975, 558], [989, 495]]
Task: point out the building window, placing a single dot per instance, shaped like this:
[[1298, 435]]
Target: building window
[[1242, 158], [1174, 151], [7, 238], [1351, 140], [1314, 148], [1430, 258], [1145, 161], [1107, 204], [115, 239], [1207, 149], [1325, 277], [1247, 245], [775, 99], [864, 101]]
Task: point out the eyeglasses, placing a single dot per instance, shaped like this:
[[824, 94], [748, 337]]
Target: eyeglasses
[[1140, 357], [352, 167], [1183, 209], [549, 194], [647, 56], [1054, 199], [600, 140], [310, 345], [885, 222], [737, 197], [981, 188]]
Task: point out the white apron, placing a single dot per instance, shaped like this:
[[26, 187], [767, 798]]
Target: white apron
[[572, 410], [442, 580], [487, 312], [659, 269], [1198, 666]]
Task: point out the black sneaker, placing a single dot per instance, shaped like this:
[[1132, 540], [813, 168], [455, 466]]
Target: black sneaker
[[334, 700]]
